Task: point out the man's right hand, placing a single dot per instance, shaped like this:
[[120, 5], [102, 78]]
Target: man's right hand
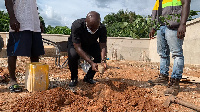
[[151, 34], [14, 24], [94, 67]]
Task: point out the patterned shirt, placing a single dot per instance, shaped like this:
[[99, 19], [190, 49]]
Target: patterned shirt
[[27, 15]]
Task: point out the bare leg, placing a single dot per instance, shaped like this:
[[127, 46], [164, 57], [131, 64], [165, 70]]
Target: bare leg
[[12, 68]]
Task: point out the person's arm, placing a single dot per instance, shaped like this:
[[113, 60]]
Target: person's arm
[[83, 54], [14, 24], [103, 47], [103, 51], [184, 16]]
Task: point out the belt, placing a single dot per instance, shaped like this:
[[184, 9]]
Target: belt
[[173, 27]]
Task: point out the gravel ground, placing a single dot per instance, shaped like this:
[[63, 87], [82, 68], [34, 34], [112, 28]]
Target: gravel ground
[[123, 87]]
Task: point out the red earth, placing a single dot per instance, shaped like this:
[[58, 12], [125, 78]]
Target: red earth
[[123, 87]]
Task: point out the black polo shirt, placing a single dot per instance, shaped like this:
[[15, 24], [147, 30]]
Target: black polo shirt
[[80, 34]]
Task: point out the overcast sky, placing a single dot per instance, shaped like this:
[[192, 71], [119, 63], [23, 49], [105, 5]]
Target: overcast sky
[[64, 12]]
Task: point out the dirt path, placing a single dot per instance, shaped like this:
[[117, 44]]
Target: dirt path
[[123, 87]]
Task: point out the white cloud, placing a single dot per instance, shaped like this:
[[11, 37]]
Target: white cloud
[[51, 16], [2, 6], [64, 12]]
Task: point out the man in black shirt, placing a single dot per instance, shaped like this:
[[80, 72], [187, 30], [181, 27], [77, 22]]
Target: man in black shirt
[[83, 42]]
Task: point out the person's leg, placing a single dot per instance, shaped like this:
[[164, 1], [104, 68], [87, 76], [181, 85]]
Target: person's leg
[[37, 47], [34, 59], [164, 53], [12, 68], [19, 44], [16, 46], [175, 45], [95, 52], [73, 58]]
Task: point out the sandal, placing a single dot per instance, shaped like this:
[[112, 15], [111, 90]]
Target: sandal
[[15, 88]]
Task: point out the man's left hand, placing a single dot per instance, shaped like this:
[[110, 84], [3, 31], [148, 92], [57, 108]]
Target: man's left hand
[[181, 31], [104, 65]]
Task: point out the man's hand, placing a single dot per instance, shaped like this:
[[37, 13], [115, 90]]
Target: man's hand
[[94, 67], [104, 65], [184, 15], [14, 24], [181, 31], [151, 34]]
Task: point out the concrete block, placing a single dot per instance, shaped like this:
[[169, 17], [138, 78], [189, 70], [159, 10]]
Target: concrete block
[[153, 55]]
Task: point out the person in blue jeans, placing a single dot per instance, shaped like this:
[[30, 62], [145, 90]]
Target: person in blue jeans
[[170, 38]]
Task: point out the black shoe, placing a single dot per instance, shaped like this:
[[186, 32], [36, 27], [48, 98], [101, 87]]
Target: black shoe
[[173, 87], [73, 83], [91, 81], [161, 80]]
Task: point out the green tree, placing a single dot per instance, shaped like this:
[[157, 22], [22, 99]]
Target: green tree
[[126, 24], [42, 23], [192, 13], [49, 29], [58, 30], [4, 21], [4, 25]]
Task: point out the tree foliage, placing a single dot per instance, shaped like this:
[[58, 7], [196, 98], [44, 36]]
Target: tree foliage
[[127, 24], [42, 23], [120, 24], [4, 25], [4, 21], [192, 13], [58, 30]]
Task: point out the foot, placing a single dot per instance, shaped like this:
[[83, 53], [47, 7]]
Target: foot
[[12, 82], [91, 81], [15, 88], [161, 80], [73, 83], [173, 87]]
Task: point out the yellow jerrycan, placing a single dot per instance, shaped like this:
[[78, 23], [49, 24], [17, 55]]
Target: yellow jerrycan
[[37, 77]]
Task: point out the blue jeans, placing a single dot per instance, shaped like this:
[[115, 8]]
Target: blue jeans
[[167, 42]]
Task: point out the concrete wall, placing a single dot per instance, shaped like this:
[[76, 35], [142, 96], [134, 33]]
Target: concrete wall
[[191, 45], [124, 48], [128, 48], [119, 48]]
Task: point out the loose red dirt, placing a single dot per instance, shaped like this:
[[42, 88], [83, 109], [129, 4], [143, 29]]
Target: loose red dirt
[[123, 87]]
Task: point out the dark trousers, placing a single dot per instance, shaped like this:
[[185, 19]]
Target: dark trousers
[[73, 58]]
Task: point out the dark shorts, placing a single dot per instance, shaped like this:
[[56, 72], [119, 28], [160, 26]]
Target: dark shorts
[[25, 43]]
